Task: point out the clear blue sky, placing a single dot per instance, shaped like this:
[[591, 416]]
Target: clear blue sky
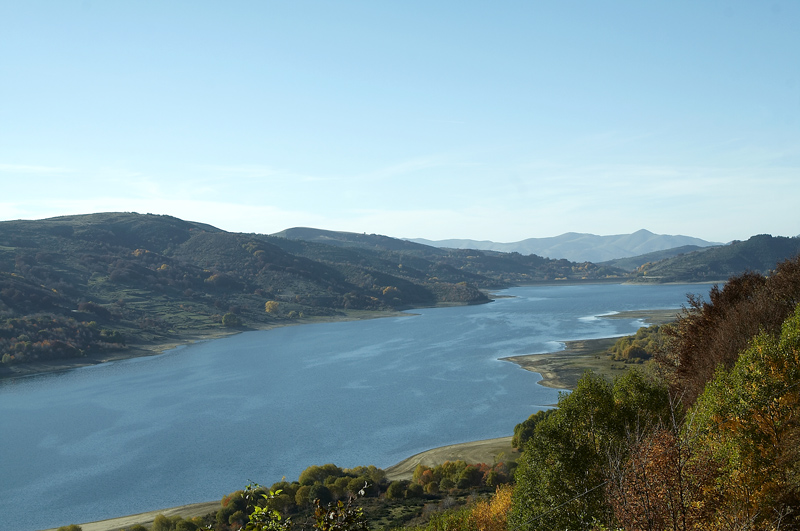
[[434, 119]]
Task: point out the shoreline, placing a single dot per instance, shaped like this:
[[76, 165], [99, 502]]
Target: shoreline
[[24, 370], [559, 370], [562, 369], [487, 450]]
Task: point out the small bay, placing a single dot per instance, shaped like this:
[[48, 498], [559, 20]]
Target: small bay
[[200, 421]]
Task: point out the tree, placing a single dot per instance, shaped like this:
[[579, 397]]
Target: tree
[[562, 465], [301, 496], [663, 482], [271, 307], [565, 465], [396, 490], [749, 418], [340, 516], [163, 523], [414, 490], [491, 515], [524, 430], [262, 517], [318, 473], [320, 493], [231, 320], [713, 333]]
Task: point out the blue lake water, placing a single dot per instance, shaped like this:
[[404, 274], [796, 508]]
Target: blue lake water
[[201, 421]]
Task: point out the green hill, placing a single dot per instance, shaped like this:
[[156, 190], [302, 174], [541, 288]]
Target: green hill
[[633, 263], [760, 254]]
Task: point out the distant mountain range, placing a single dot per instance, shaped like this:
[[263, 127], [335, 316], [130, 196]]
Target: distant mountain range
[[578, 247]]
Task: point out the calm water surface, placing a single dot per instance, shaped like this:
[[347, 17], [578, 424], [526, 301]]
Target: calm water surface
[[201, 421]]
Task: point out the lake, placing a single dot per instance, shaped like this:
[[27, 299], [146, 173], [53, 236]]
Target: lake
[[200, 421]]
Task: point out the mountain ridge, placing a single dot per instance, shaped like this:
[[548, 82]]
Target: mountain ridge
[[579, 247]]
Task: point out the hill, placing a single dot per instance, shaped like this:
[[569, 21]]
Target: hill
[[78, 286], [632, 263], [579, 247], [759, 254], [487, 269]]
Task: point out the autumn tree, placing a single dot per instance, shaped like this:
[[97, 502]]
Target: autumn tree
[[713, 333], [492, 514], [663, 481], [749, 417]]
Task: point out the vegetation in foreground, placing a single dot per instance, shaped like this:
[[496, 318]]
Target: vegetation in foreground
[[708, 441]]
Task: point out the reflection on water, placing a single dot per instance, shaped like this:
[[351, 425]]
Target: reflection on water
[[198, 422]]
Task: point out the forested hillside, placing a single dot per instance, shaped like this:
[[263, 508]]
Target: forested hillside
[[759, 253], [77, 285], [635, 262]]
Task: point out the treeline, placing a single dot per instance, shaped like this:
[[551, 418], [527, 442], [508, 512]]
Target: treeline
[[759, 253], [158, 278]]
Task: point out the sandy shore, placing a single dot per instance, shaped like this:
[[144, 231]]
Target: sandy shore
[[146, 519], [486, 451]]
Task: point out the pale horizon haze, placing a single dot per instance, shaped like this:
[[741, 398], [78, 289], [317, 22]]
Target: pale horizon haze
[[452, 119]]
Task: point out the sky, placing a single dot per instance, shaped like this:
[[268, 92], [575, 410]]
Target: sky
[[443, 119]]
